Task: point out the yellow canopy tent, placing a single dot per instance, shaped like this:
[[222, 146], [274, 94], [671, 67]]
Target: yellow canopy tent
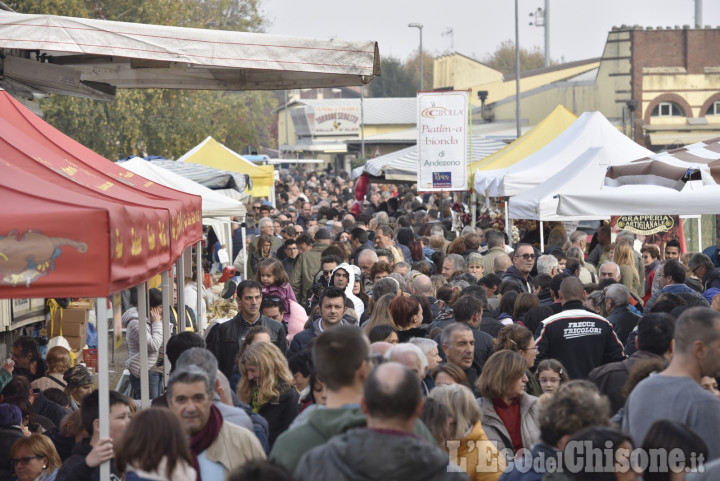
[[550, 127], [212, 153]]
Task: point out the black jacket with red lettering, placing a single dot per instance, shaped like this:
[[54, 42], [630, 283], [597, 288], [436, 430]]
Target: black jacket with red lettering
[[579, 339]]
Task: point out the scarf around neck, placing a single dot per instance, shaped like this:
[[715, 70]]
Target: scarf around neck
[[202, 439]]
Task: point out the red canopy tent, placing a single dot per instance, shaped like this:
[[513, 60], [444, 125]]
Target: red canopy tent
[[133, 228]]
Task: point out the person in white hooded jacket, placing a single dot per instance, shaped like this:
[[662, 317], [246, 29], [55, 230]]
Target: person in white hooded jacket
[[343, 276]]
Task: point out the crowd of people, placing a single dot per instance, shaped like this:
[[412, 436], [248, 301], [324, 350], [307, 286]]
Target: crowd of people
[[377, 341]]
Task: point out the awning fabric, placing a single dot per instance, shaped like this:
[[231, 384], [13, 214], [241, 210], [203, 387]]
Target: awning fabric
[[212, 153], [402, 165], [131, 55], [207, 176], [550, 127], [213, 203], [130, 231]]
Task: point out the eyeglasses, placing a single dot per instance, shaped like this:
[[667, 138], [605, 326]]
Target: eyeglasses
[[24, 461], [526, 256]]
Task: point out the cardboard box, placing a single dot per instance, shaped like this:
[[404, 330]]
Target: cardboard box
[[82, 304], [76, 342], [74, 322]]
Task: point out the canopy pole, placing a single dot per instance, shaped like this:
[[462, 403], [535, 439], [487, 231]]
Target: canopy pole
[[542, 237], [508, 227], [167, 302], [700, 233], [473, 207], [103, 377], [142, 343], [180, 283], [245, 250], [198, 278]]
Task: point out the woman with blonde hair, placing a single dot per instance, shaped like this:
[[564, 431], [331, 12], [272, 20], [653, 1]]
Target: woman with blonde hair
[[509, 413], [380, 313], [58, 361], [266, 385], [482, 460], [587, 272], [35, 458], [623, 257]]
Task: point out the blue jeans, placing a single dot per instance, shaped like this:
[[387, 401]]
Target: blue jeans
[[154, 385]]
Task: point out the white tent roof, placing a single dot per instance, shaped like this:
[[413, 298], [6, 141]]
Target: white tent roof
[[695, 198], [679, 182], [213, 204], [93, 57], [591, 129], [402, 165], [540, 202]]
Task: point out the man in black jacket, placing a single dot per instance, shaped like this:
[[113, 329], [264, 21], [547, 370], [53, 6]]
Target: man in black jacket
[[225, 339], [579, 339], [523, 262], [617, 302], [654, 341], [90, 453]]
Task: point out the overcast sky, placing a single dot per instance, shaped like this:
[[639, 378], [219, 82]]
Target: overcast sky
[[578, 27]]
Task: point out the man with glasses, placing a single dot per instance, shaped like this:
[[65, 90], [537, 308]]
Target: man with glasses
[[519, 273], [27, 358], [291, 251]]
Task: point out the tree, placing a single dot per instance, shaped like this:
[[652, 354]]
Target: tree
[[413, 65], [394, 80], [503, 59], [398, 79], [162, 122]]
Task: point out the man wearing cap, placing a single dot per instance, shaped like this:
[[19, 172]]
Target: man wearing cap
[[308, 264]]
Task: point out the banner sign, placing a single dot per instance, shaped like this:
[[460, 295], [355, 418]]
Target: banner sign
[[645, 224], [442, 140], [336, 120], [652, 229]]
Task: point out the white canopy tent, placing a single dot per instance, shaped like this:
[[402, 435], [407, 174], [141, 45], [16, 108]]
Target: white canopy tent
[[695, 198], [91, 58], [216, 208], [591, 129], [213, 203], [683, 181], [584, 173], [402, 165]]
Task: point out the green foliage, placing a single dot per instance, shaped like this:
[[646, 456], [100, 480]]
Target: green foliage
[[162, 122], [400, 79], [503, 59]]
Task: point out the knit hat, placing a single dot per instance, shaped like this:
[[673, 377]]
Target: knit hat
[[10, 415], [78, 376]]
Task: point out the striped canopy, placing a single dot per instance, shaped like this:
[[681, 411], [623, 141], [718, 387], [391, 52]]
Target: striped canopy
[[402, 165]]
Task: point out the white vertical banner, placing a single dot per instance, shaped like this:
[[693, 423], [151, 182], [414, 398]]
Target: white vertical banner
[[442, 140]]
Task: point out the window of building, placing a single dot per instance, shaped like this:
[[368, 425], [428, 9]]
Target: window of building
[[667, 109], [714, 108]]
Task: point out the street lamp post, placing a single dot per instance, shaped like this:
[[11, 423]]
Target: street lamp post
[[419, 26]]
